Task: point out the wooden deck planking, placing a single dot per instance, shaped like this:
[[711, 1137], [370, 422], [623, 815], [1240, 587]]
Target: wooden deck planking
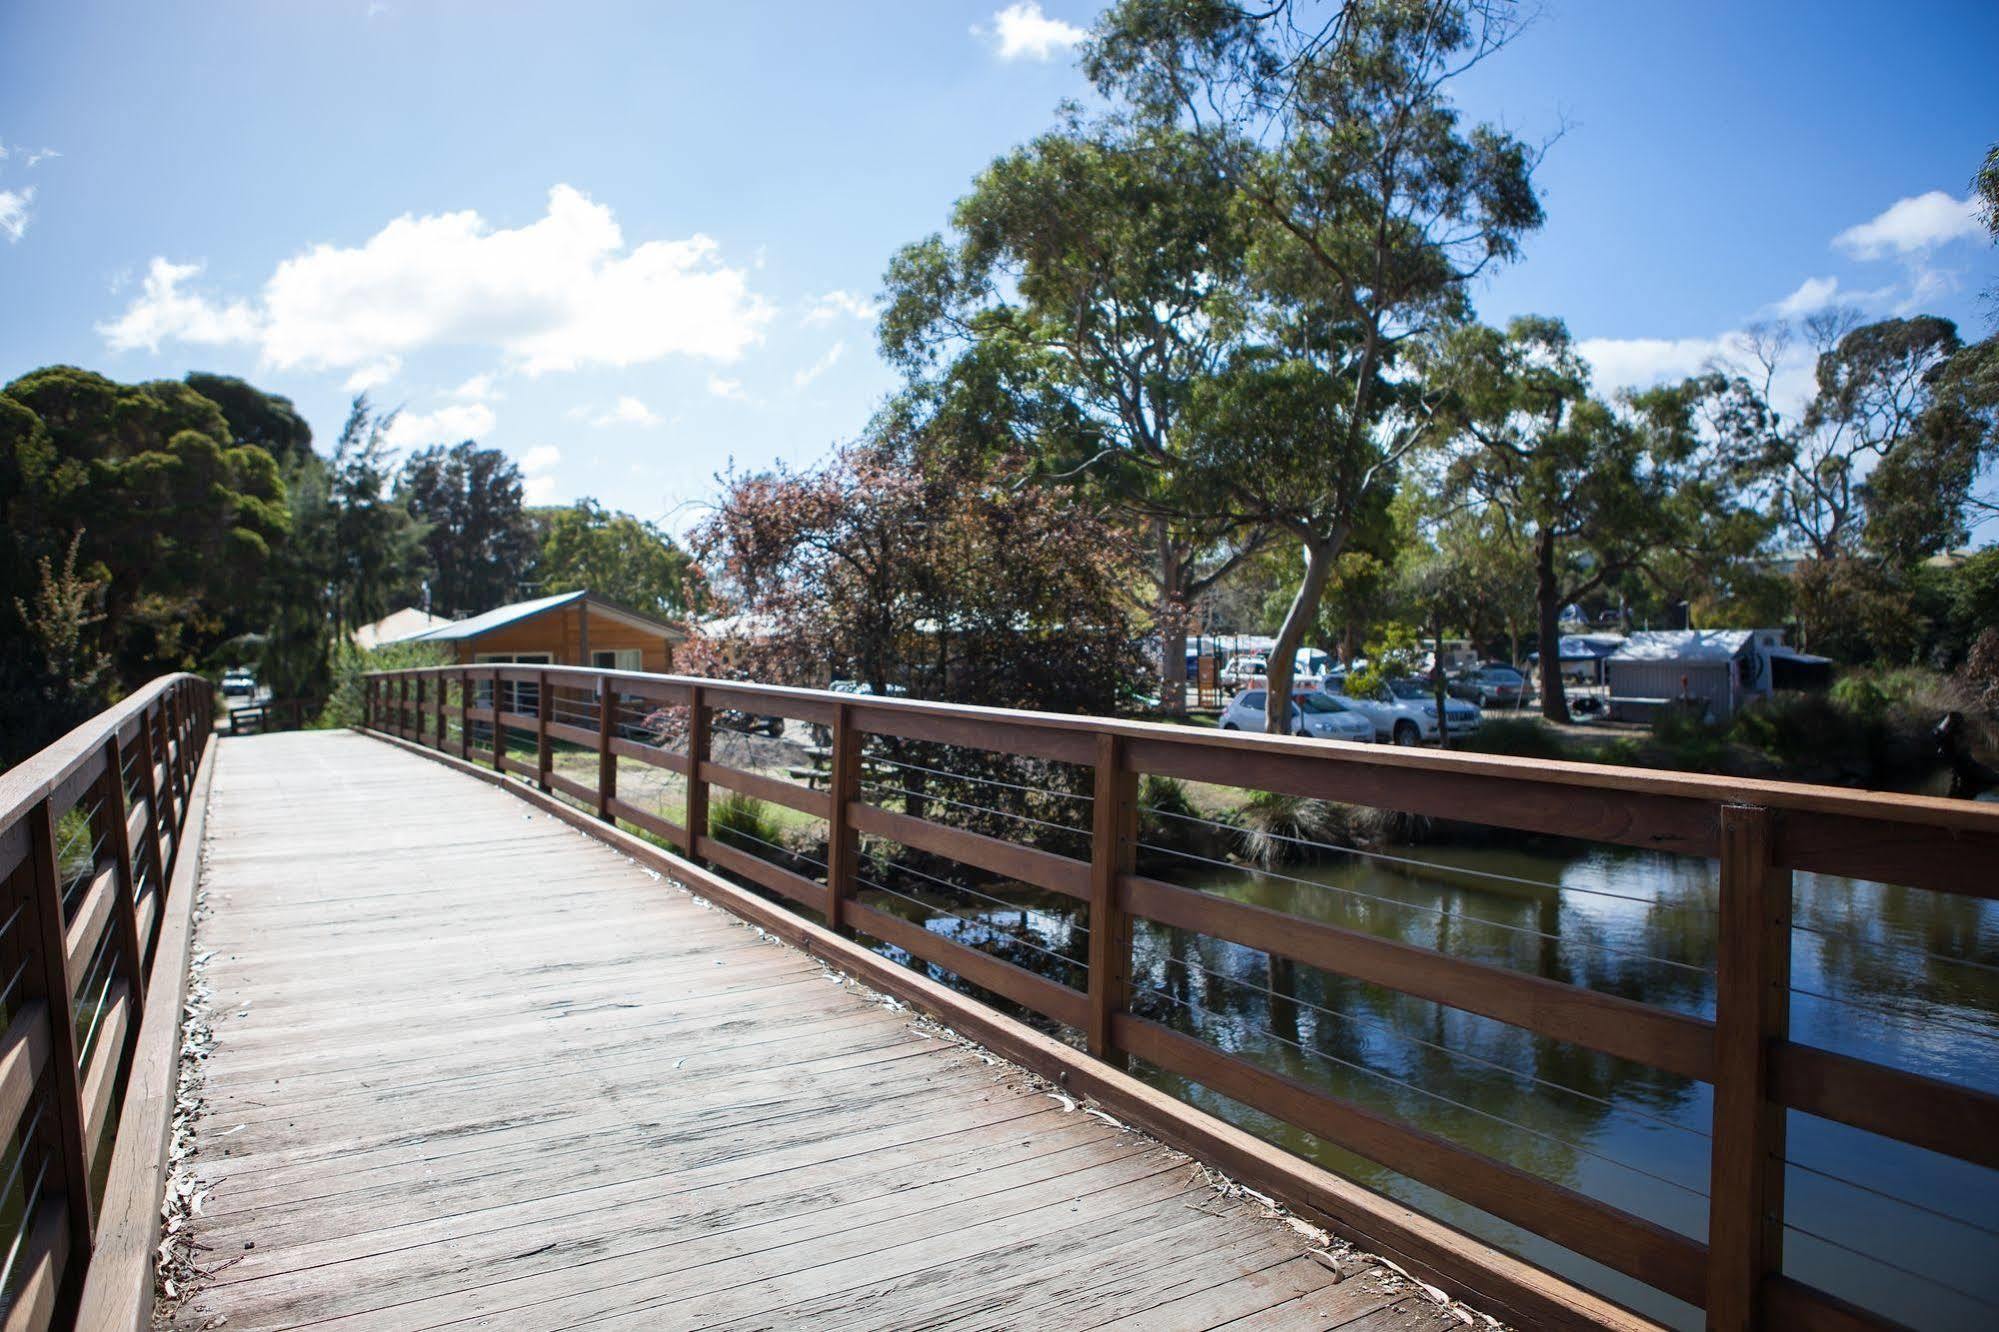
[[473, 1068]]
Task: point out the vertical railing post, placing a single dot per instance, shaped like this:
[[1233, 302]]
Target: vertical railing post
[[499, 728], [1752, 1014], [1113, 852], [124, 886], [843, 843], [416, 717], [607, 759], [544, 754], [443, 700], [149, 789], [403, 706], [170, 761], [697, 785], [50, 982], [464, 721]]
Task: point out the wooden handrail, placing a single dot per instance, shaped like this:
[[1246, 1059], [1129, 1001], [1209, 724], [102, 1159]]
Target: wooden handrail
[[124, 783], [1758, 832]]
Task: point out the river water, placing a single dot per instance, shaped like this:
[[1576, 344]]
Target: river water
[[1906, 977]]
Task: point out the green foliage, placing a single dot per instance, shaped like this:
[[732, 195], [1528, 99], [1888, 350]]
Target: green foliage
[[1522, 737], [255, 417], [478, 543], [64, 671], [348, 664], [1093, 278], [623, 559], [177, 520]]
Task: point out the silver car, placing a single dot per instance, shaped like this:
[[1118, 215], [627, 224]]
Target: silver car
[[1320, 716]]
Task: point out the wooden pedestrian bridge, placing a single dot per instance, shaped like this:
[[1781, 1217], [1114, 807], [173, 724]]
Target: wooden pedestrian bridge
[[497, 1012]]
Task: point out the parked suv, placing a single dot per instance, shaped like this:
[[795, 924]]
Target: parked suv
[[1320, 716], [1403, 711]]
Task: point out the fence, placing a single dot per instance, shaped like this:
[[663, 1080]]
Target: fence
[[91, 831], [1757, 835]]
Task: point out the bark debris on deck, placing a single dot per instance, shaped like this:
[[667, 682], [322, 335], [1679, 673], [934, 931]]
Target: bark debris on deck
[[472, 1067]]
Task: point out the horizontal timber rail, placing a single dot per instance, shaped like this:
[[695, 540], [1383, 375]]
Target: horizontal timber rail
[[93, 883], [1757, 834]]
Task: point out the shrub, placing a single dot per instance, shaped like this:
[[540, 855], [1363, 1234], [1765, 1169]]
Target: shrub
[[350, 663], [1521, 737], [743, 822], [1271, 827]]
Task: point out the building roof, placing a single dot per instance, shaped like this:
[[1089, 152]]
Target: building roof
[[409, 622], [500, 617], [1687, 645]]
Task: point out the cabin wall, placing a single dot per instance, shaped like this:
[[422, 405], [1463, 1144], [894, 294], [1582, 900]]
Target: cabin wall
[[560, 632]]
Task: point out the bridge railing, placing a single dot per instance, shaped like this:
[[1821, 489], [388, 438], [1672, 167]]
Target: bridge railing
[[91, 830], [1754, 835]]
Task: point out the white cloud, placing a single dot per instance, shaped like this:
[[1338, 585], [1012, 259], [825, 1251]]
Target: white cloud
[[1637, 363], [39, 156], [726, 388], [627, 411], [1025, 33], [479, 388], [165, 311], [1812, 294], [14, 211], [446, 425], [820, 366], [560, 293], [1617, 363], [841, 302], [374, 374], [1911, 226], [537, 473]]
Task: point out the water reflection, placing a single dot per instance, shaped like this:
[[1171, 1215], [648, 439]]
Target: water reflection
[[1906, 977]]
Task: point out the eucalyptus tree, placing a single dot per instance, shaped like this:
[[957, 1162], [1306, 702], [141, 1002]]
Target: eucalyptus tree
[[1092, 279], [1561, 470], [1370, 209], [1872, 387]]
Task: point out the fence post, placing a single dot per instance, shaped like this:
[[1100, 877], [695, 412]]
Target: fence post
[[697, 786], [843, 844], [607, 762], [544, 755], [416, 717], [149, 789], [499, 729], [169, 746], [464, 722], [1113, 849], [124, 886], [52, 984], [403, 706], [1752, 1013]]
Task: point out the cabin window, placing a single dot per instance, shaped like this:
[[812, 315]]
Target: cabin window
[[515, 695], [618, 659]]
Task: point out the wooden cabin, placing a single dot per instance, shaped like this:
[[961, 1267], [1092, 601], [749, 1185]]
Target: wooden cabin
[[568, 629]]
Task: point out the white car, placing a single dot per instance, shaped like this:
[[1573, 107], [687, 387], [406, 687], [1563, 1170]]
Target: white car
[[1320, 716], [1308, 672], [1404, 712]]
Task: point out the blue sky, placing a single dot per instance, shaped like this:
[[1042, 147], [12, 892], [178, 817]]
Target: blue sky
[[629, 242]]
